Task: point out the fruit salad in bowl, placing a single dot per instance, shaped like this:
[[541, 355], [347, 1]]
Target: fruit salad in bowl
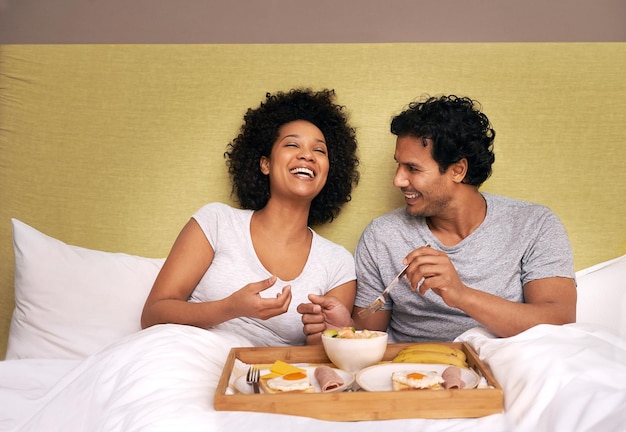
[[353, 350]]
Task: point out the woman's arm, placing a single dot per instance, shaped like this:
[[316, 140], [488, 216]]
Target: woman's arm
[[187, 262]]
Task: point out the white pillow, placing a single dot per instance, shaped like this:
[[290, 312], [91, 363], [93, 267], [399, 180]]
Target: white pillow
[[71, 301], [602, 295]]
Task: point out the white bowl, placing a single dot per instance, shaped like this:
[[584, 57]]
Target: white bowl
[[352, 355]]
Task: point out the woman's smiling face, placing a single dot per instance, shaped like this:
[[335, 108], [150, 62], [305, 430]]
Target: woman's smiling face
[[299, 160]]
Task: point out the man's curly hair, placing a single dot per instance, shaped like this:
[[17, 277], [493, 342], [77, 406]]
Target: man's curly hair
[[458, 130], [259, 132]]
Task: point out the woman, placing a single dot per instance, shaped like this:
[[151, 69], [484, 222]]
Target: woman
[[293, 165]]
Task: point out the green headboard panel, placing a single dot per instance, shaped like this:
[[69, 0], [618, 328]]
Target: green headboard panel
[[113, 147]]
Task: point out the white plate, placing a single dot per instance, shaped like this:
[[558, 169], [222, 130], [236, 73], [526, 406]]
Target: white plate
[[348, 379], [378, 377]]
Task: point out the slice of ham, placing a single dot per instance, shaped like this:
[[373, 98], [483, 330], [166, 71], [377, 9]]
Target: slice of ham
[[327, 378], [452, 378]]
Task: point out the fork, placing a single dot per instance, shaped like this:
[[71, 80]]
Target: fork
[[379, 302], [381, 299], [252, 377]]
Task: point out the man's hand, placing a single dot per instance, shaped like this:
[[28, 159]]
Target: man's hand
[[432, 269], [324, 312]]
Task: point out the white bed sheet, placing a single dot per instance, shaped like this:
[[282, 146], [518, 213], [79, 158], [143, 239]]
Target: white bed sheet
[[567, 378]]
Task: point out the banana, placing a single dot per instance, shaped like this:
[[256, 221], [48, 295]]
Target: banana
[[429, 357], [435, 347]]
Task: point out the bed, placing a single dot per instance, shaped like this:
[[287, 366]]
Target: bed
[[105, 151], [69, 377]]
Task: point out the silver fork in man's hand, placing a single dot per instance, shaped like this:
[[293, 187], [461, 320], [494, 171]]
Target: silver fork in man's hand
[[379, 302], [381, 299]]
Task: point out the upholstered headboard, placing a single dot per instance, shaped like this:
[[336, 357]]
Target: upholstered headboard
[[113, 147]]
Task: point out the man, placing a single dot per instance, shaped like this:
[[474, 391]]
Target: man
[[491, 261]]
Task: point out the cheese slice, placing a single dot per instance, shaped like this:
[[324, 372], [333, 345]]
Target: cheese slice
[[281, 368]]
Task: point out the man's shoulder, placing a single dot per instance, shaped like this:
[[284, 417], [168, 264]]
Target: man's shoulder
[[394, 216], [390, 225], [519, 215], [501, 203]]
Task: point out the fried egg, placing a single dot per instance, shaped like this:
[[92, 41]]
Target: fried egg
[[417, 379], [290, 382]]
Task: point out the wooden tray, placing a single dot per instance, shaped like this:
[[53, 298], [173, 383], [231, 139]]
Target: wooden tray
[[361, 405]]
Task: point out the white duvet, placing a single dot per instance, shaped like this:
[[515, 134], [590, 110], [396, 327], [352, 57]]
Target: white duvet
[[568, 378]]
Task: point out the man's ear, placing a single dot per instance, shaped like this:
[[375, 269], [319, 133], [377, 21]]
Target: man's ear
[[459, 170], [264, 163]]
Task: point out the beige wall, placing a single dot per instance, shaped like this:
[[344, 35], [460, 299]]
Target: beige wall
[[319, 21]]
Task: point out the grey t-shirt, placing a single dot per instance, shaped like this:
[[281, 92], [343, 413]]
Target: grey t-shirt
[[236, 264], [516, 243]]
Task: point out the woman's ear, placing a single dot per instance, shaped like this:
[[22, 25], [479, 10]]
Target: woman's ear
[[264, 163]]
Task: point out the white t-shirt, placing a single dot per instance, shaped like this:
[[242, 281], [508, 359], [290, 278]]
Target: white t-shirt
[[236, 264]]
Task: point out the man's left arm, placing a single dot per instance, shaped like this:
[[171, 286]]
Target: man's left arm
[[547, 301], [550, 300]]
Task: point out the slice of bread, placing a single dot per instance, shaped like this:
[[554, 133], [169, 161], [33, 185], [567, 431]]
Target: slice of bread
[[403, 387], [266, 389], [397, 385]]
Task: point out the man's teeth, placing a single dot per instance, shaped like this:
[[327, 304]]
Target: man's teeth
[[304, 171], [411, 195]]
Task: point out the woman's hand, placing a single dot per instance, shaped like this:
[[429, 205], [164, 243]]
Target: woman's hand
[[247, 302]]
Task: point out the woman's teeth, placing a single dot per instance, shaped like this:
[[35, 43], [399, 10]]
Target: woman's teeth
[[302, 171]]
